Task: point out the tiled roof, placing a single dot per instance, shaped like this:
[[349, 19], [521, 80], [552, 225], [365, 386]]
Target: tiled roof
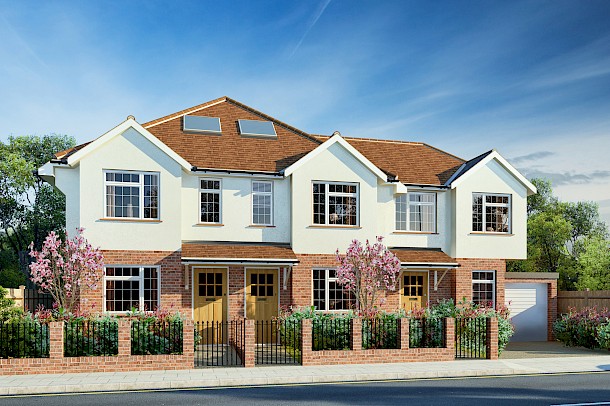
[[231, 150], [422, 255], [412, 162], [220, 250]]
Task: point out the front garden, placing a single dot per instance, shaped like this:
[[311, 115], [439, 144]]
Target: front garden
[[589, 328]]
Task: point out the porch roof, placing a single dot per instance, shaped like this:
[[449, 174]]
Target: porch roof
[[425, 257], [237, 252]]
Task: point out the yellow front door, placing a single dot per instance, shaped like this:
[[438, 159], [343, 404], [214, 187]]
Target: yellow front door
[[414, 290], [210, 294], [261, 294]]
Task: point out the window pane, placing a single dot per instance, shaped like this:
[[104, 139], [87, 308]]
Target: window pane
[[477, 212], [210, 207], [319, 200], [151, 196], [151, 289], [401, 212], [122, 296]]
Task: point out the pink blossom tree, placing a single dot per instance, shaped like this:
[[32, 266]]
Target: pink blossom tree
[[367, 270], [62, 267]]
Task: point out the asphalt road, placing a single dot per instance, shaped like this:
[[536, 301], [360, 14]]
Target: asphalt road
[[515, 390]]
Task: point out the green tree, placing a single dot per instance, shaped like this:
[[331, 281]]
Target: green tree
[[29, 207], [594, 264]]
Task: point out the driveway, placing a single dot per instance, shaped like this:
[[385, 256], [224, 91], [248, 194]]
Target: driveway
[[546, 349]]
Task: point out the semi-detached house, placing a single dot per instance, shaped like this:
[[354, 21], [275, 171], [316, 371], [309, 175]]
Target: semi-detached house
[[221, 211]]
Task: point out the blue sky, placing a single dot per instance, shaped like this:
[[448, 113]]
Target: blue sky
[[531, 79]]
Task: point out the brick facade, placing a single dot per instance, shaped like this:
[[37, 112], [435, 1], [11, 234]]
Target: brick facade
[[462, 278]]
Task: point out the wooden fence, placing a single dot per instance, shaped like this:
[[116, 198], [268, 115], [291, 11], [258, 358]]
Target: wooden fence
[[580, 299]]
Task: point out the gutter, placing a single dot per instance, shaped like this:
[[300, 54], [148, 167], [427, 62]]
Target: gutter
[[236, 172]]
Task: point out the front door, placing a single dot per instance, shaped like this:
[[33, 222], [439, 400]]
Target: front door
[[261, 294], [210, 294], [414, 290]]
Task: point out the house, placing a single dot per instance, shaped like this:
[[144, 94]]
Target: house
[[221, 211]]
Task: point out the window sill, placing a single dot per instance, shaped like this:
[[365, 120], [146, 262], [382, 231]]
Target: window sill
[[413, 232], [332, 226], [208, 225], [490, 233], [259, 226], [130, 220]]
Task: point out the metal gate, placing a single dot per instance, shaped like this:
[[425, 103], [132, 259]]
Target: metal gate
[[32, 299], [219, 343], [278, 342], [471, 338]]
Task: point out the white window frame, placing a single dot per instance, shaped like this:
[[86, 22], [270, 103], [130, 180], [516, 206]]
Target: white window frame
[[327, 194], [408, 211], [485, 205], [219, 192], [327, 281], [139, 278], [261, 194], [140, 184], [490, 282]]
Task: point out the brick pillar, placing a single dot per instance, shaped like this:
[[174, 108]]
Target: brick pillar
[[403, 333], [450, 334], [249, 343], [356, 334], [188, 342], [492, 338], [306, 342], [56, 339], [124, 338]]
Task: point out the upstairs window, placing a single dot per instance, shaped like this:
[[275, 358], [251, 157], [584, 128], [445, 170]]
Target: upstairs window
[[262, 203], [210, 201], [416, 212], [335, 203], [328, 294], [491, 213], [132, 195]]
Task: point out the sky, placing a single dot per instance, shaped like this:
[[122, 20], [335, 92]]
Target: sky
[[528, 78]]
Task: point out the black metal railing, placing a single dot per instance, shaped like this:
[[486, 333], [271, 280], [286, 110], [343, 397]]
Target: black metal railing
[[24, 339], [379, 333], [278, 342], [84, 338], [32, 299], [219, 343], [156, 337], [471, 338], [331, 334], [427, 333]]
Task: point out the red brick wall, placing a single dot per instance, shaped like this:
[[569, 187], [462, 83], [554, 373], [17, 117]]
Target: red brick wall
[[173, 293], [463, 276]]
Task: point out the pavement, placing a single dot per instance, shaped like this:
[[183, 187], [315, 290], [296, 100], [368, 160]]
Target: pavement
[[282, 375]]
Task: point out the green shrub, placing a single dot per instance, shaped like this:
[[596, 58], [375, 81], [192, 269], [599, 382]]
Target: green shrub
[[585, 328], [93, 337], [27, 338]]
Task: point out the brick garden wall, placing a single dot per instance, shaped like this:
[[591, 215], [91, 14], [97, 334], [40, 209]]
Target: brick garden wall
[[123, 362]]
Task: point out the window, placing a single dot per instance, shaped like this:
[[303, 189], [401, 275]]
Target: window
[[335, 203], [418, 215], [262, 203], [132, 195], [210, 202], [328, 294], [127, 287], [484, 288], [491, 213]]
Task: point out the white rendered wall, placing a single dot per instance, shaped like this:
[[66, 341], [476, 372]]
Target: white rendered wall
[[492, 178], [336, 165], [129, 151], [236, 212], [67, 181]]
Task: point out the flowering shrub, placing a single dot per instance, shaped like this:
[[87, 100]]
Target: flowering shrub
[[366, 270], [588, 328], [61, 267]]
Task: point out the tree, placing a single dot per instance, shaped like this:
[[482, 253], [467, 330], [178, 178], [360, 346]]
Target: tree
[[594, 264], [29, 207], [62, 267], [366, 270], [543, 199]]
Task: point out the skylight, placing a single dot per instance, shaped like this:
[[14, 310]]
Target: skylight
[[200, 124], [257, 128]]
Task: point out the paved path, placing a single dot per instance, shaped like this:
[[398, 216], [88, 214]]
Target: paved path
[[222, 377], [547, 349]]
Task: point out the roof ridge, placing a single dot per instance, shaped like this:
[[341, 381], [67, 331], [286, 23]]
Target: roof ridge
[[373, 139], [214, 102]]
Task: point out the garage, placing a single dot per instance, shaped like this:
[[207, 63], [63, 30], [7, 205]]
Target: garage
[[528, 304]]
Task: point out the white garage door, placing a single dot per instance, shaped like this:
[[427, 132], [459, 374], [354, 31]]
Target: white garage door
[[528, 310]]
